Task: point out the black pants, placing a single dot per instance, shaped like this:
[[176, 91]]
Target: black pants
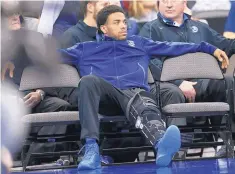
[[65, 96], [51, 104], [98, 96], [206, 91]]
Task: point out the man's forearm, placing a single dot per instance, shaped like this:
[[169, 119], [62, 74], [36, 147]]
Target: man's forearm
[[42, 93], [26, 92], [177, 82], [231, 51], [207, 48], [172, 49]]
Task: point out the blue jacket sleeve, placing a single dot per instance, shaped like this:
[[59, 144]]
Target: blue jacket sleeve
[[172, 49], [72, 55]]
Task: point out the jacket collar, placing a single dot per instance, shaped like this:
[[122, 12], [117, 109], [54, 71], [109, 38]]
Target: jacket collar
[[102, 37], [90, 31], [168, 21]]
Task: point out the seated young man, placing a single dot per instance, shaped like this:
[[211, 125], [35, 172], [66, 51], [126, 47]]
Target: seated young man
[[114, 75], [86, 28]]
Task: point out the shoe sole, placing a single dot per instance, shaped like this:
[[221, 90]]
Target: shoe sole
[[89, 167], [171, 143]]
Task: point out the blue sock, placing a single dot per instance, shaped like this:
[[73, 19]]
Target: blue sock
[[156, 144], [90, 140]]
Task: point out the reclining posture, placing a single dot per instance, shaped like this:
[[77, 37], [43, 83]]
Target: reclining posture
[[114, 74]]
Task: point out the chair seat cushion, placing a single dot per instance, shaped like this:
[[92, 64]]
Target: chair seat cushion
[[64, 117], [196, 107], [51, 117]]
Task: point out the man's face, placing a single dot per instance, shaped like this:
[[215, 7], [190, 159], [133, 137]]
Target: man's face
[[172, 9], [148, 3], [14, 22], [99, 5], [115, 26]]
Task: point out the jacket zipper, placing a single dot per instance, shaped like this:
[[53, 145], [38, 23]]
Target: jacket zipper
[[91, 70], [185, 31], [143, 71], [117, 77]]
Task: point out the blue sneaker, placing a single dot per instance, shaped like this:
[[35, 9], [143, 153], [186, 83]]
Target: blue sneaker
[[168, 145], [91, 158], [106, 159]]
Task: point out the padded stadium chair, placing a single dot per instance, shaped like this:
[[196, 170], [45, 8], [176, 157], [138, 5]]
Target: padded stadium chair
[[216, 19], [67, 76], [230, 74], [198, 66], [35, 78]]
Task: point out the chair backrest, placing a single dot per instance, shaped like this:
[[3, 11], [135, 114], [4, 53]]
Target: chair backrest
[[150, 77], [231, 67], [194, 65], [211, 14], [215, 18], [61, 75]]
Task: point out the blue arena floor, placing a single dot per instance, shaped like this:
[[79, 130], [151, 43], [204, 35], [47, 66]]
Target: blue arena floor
[[215, 166]]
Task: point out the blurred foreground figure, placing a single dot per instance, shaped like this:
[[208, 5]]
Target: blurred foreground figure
[[229, 31], [12, 130], [22, 47]]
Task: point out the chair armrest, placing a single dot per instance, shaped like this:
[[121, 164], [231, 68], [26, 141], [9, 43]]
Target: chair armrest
[[229, 86]]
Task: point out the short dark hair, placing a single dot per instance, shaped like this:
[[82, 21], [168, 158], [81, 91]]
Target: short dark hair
[[103, 15], [82, 9]]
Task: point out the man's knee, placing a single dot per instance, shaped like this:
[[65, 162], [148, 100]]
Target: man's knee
[[171, 94], [62, 105], [142, 103], [144, 112], [219, 84], [217, 90], [88, 81], [51, 104]]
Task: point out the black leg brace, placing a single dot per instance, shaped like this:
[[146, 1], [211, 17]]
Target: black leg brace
[[142, 110]]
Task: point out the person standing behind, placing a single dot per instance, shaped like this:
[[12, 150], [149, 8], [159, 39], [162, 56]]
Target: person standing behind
[[229, 31], [86, 28], [143, 11]]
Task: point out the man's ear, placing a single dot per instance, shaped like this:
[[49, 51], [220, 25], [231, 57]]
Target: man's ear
[[103, 28], [90, 7]]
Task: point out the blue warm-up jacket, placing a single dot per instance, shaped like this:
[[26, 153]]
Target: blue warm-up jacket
[[124, 63]]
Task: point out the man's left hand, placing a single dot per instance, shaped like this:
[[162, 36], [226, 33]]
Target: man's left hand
[[222, 57], [32, 99]]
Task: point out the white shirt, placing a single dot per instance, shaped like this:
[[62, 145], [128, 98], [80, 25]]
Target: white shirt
[[209, 5], [151, 16], [50, 12]]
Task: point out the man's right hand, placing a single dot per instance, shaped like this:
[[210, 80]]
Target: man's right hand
[[188, 90], [9, 66], [222, 57]]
